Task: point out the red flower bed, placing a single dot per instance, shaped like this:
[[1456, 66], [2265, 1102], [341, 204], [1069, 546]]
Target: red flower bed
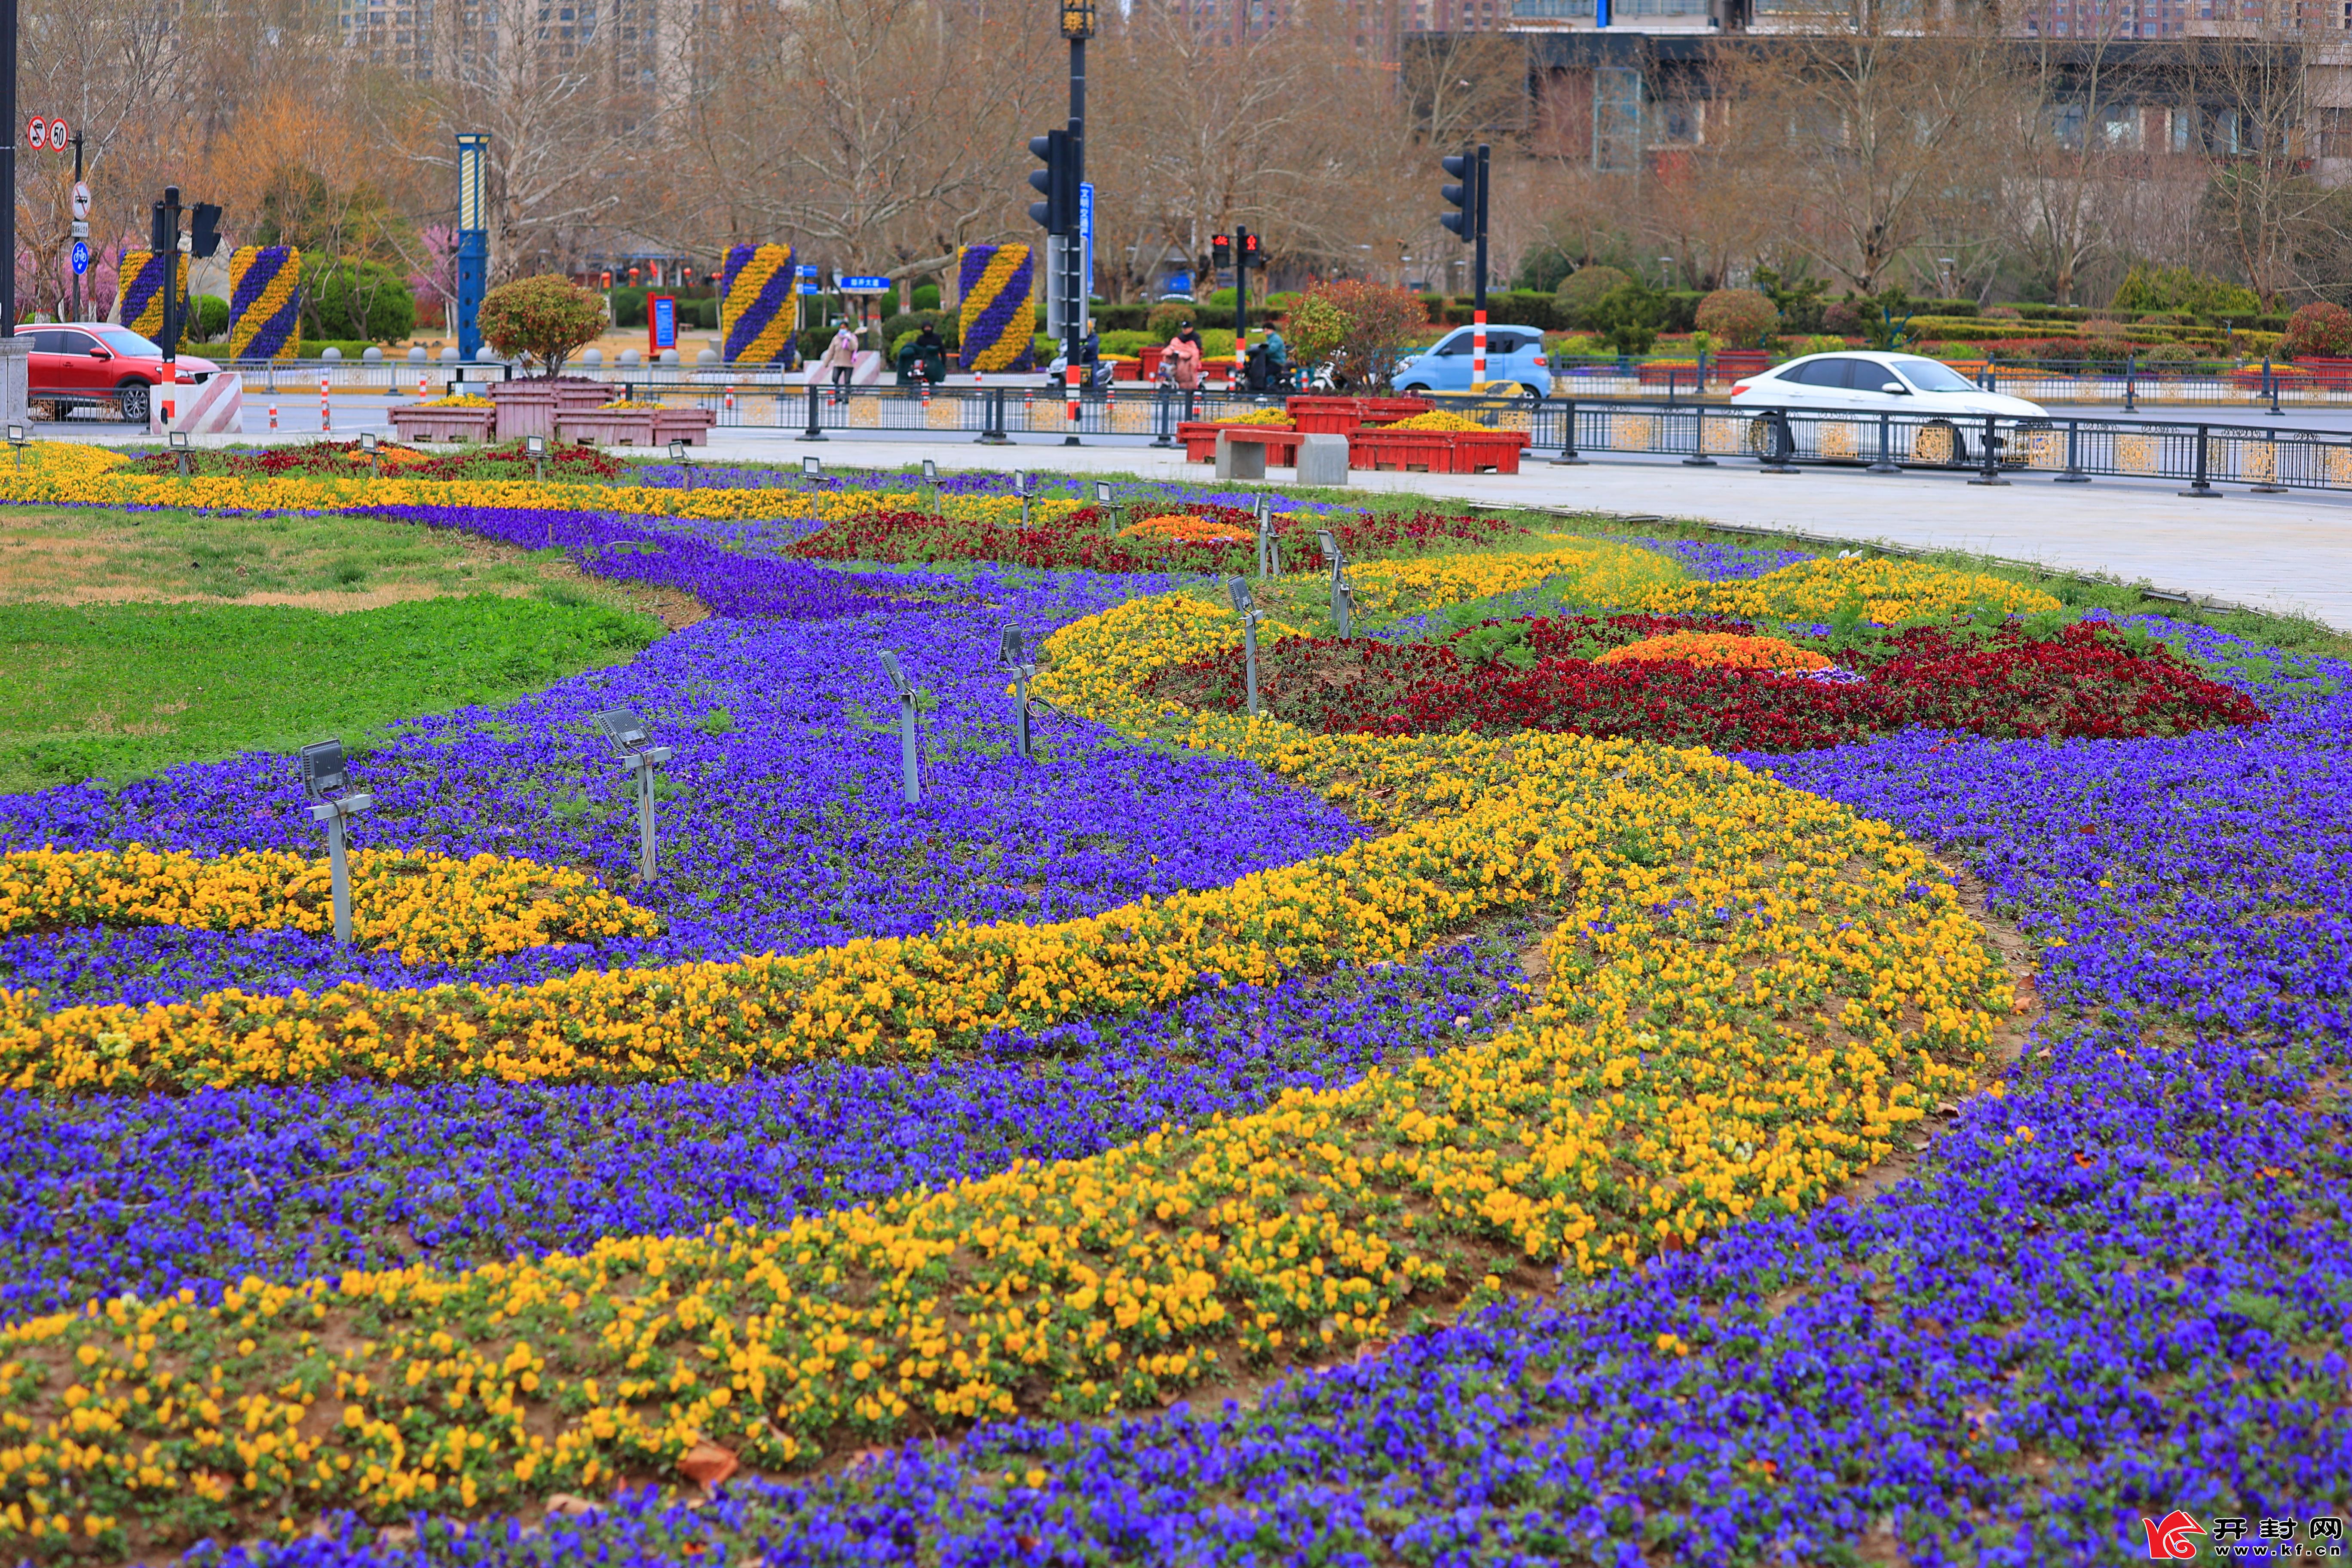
[[1087, 539], [2085, 681], [563, 462]]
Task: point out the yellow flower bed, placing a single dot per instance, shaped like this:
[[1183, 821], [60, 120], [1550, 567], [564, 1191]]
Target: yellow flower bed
[[1746, 1001], [1718, 649], [1435, 419], [1269, 417], [1596, 571], [1890, 591], [619, 402], [422, 906], [456, 400]]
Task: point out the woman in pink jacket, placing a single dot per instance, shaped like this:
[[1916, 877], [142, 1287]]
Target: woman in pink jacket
[[1181, 358]]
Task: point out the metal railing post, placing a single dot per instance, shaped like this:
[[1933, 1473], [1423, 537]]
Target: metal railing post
[[2270, 380], [1698, 458], [1990, 473], [814, 433], [1568, 458], [2131, 383], [1782, 444], [2199, 487], [1886, 463], [2074, 474], [1160, 423]]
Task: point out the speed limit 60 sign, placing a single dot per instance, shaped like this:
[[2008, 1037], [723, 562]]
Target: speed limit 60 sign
[[43, 132]]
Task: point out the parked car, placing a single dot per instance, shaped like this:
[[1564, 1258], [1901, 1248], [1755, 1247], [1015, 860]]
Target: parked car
[[1872, 382], [1513, 353], [89, 363]]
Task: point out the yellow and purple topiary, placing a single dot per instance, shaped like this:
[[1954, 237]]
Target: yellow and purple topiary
[[998, 320], [761, 309], [265, 304], [142, 291]]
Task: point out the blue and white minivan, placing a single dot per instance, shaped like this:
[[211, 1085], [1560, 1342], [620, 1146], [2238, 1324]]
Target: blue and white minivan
[[1513, 353]]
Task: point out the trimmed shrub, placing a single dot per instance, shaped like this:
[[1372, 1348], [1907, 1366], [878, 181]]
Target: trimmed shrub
[[1582, 289], [347, 296], [1738, 318], [2170, 353], [1843, 316], [926, 297], [1168, 316], [548, 319], [2318, 331], [1681, 306]]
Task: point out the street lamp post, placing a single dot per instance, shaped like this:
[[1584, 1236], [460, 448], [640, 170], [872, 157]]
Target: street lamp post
[[1077, 26]]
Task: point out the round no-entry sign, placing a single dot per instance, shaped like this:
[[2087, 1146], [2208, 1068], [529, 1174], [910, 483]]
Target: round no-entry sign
[[36, 131], [80, 200]]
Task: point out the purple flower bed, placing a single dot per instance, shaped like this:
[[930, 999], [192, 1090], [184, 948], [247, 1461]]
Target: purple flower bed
[[2122, 1288], [782, 827], [289, 1183]]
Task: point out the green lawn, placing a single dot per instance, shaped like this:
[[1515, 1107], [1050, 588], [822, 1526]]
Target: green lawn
[[128, 642]]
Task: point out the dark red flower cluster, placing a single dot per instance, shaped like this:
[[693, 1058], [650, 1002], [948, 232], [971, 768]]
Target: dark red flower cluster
[[2086, 680], [1090, 539], [564, 462]]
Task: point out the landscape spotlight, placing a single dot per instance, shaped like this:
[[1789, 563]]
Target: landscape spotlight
[[1238, 590], [178, 441], [17, 443], [911, 776], [678, 455], [536, 446], [626, 733], [1342, 599], [811, 467], [326, 779], [367, 444], [930, 470], [1012, 659]]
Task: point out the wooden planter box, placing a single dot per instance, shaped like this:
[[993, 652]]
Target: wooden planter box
[[1681, 375], [1345, 416], [443, 424], [1732, 365], [635, 427], [1200, 439], [530, 408], [1438, 451]]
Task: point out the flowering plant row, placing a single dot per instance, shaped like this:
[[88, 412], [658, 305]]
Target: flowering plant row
[[421, 906], [2083, 680], [1063, 534]]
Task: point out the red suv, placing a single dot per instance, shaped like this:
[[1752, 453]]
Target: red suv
[[91, 363]]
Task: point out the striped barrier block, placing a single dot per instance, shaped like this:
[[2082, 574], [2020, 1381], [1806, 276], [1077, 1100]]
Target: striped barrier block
[[214, 407]]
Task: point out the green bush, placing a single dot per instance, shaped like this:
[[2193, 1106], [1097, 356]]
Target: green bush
[[1628, 315], [1525, 308], [1582, 289], [1948, 307], [1167, 316], [547, 318], [2183, 288], [926, 297], [346, 297], [2320, 331], [207, 318], [1216, 343], [1680, 306], [2170, 353], [1125, 318], [629, 306], [1818, 344], [1126, 341]]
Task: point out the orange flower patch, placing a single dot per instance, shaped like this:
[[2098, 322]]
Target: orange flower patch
[[1718, 650], [1183, 528]]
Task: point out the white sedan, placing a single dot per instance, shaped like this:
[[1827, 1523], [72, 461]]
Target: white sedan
[[1867, 382]]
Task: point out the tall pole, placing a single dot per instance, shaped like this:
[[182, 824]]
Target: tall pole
[[8, 171], [1478, 279], [1073, 266], [1240, 303], [473, 239], [80, 228]]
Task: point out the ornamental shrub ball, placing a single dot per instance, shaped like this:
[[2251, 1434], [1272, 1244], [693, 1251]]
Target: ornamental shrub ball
[[547, 318], [2318, 331], [1738, 318], [1168, 316], [1582, 289], [1313, 328], [1843, 316], [1382, 322], [2170, 353]]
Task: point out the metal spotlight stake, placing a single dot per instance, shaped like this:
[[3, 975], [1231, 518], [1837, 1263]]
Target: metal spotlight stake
[[367, 444], [909, 765], [677, 451], [17, 444], [1265, 546], [1011, 660], [326, 779], [178, 443], [625, 733], [1340, 598], [930, 471], [811, 468], [537, 446], [1238, 589], [1021, 487]]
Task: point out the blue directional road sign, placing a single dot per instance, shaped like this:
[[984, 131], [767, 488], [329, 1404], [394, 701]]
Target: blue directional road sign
[[81, 256], [808, 279], [858, 283]]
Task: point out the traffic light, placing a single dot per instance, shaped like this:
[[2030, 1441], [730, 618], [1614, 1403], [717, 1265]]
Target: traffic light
[[1059, 212], [1463, 197], [203, 229], [1249, 248], [1221, 251], [160, 239]]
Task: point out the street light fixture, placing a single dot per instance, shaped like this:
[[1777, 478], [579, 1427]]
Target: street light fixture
[[626, 734], [326, 780]]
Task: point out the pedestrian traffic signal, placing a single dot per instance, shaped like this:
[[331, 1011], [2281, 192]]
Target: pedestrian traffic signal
[[1058, 212], [1462, 197], [203, 229], [161, 240], [1221, 251], [1249, 246]]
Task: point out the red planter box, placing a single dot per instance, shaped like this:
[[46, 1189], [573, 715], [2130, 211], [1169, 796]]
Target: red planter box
[[1345, 416], [1438, 451], [1732, 365], [2333, 373]]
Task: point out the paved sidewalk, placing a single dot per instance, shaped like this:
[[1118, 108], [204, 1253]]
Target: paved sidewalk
[[2289, 552]]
